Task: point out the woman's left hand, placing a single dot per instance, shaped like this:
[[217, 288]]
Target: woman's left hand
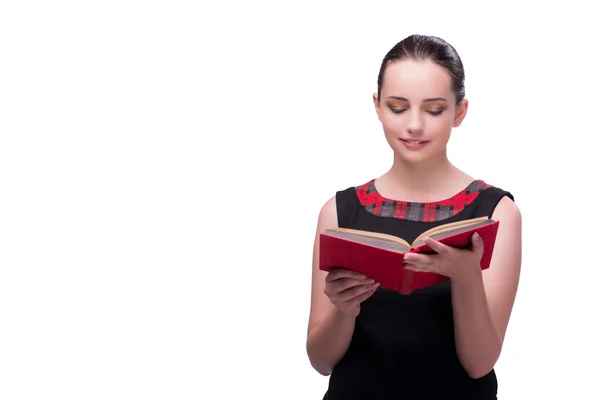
[[460, 265]]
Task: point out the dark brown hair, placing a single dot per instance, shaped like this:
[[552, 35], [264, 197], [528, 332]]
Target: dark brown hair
[[421, 48]]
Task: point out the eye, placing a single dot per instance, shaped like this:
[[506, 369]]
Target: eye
[[397, 110], [437, 112]]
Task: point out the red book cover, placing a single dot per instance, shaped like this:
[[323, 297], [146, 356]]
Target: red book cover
[[386, 266]]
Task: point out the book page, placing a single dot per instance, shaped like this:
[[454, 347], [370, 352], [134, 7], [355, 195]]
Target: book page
[[382, 241], [458, 226], [449, 231]]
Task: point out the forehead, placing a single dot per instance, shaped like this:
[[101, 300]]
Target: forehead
[[416, 80]]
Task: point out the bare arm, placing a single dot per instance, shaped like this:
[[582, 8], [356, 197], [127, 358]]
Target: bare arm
[[482, 306], [330, 327]]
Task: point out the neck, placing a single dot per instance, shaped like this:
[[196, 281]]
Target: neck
[[423, 177]]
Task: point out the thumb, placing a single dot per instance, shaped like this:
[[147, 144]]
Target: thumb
[[477, 242]]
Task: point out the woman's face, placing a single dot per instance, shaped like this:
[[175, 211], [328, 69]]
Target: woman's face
[[418, 109]]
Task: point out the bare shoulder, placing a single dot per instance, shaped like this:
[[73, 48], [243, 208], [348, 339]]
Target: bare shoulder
[[328, 215], [507, 211]]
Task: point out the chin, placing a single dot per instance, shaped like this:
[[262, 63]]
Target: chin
[[417, 154], [413, 156]]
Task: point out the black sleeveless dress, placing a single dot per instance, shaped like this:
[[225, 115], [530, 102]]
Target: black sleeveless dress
[[403, 346]]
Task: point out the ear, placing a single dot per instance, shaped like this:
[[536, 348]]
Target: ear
[[377, 106], [461, 112]]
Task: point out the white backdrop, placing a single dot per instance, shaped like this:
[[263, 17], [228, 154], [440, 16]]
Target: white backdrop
[[163, 165]]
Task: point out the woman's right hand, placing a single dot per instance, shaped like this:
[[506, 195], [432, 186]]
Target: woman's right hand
[[346, 289]]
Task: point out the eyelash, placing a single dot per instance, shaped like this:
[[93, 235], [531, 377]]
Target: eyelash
[[401, 110]]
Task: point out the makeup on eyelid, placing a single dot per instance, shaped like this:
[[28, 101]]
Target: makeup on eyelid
[[429, 110], [398, 106]]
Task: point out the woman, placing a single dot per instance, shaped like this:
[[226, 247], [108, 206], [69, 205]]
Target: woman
[[442, 341]]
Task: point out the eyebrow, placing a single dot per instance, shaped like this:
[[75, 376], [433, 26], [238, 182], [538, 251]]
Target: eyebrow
[[429, 99]]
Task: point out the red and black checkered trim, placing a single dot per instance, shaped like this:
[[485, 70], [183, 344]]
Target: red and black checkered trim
[[419, 212]]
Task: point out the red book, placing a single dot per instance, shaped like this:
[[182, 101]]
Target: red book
[[381, 256]]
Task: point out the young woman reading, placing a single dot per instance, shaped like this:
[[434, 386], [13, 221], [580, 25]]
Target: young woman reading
[[441, 341]]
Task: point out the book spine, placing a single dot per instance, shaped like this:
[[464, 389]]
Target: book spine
[[406, 281]]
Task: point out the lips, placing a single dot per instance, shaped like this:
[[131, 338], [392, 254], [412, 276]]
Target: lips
[[414, 142]]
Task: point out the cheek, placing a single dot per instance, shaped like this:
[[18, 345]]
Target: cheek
[[441, 124], [392, 123]]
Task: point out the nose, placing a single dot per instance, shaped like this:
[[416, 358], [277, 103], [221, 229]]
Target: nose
[[415, 123]]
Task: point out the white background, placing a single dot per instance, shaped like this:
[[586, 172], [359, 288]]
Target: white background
[[163, 165]]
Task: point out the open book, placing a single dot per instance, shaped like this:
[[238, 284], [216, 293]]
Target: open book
[[380, 256]]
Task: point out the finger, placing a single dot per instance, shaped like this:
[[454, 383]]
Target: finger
[[359, 299], [436, 246], [420, 263], [418, 268], [339, 285], [355, 291], [418, 259], [340, 273]]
